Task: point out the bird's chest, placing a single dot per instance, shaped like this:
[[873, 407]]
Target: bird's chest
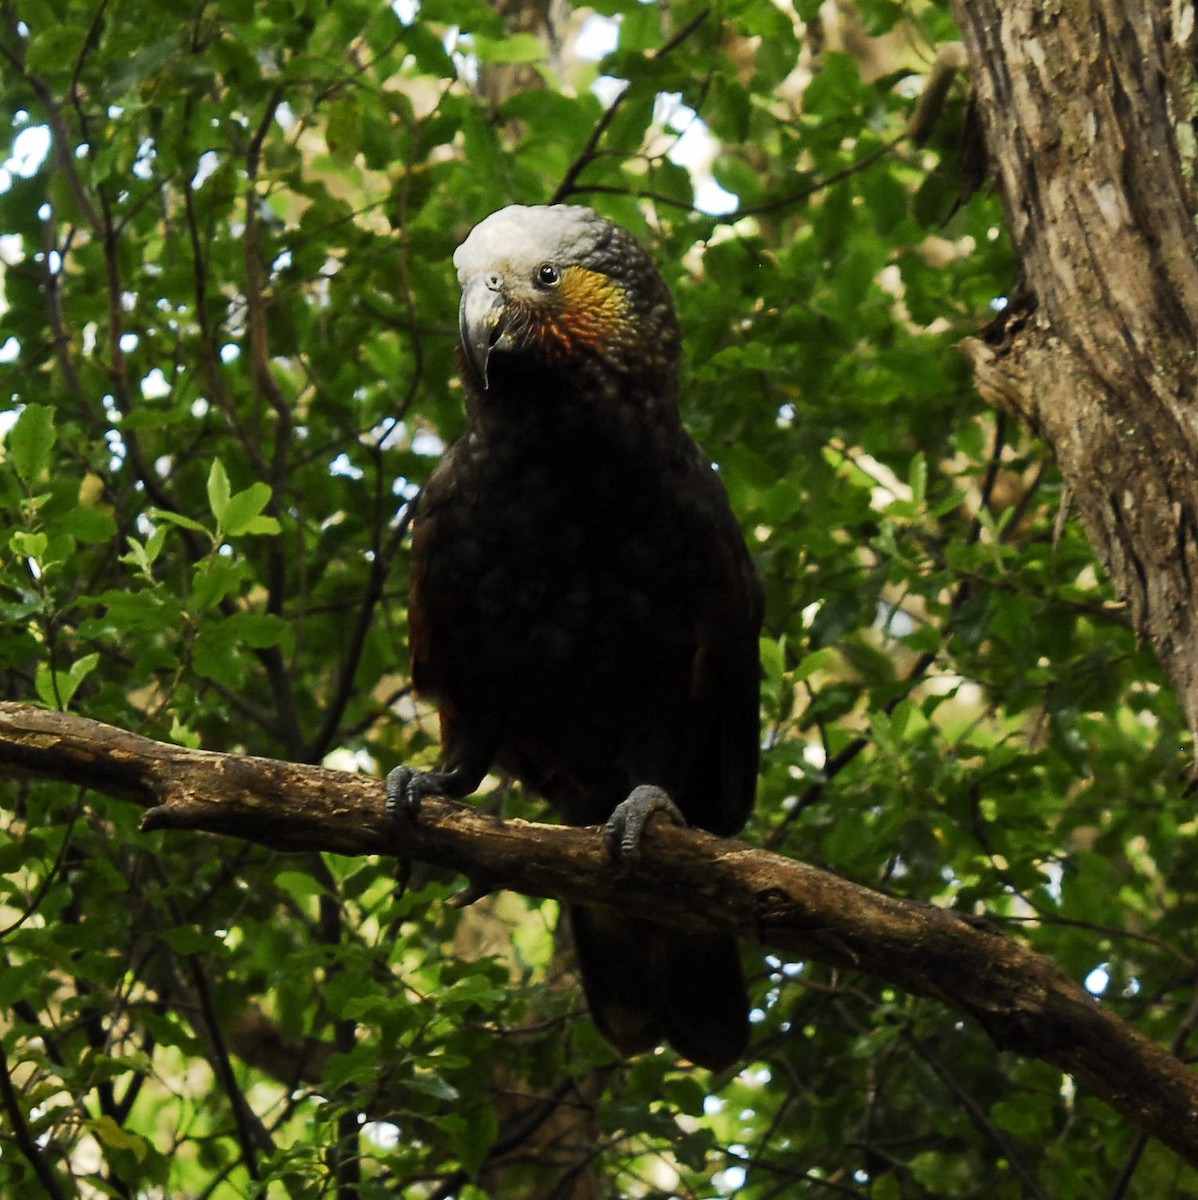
[[559, 566], [549, 562]]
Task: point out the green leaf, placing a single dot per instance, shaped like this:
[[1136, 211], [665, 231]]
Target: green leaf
[[476, 1138], [54, 48], [30, 441], [112, 1135], [818, 660], [29, 545], [162, 514], [142, 555], [145, 611], [259, 629], [241, 512], [433, 1085], [886, 1187], [218, 490], [56, 688], [343, 129], [215, 578], [1028, 1117], [221, 646], [917, 478], [773, 657], [879, 16], [836, 91], [518, 48], [93, 526], [183, 735], [187, 939]]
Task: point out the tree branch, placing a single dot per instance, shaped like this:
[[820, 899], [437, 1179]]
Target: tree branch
[[692, 880]]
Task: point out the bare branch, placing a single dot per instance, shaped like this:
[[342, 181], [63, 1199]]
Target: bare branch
[[692, 880]]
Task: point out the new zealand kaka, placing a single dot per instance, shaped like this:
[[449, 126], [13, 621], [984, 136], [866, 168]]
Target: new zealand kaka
[[583, 608]]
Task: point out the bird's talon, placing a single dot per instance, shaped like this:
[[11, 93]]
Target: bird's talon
[[626, 826], [404, 794]]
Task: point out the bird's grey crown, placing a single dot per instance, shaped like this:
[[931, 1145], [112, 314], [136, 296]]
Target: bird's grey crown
[[524, 236]]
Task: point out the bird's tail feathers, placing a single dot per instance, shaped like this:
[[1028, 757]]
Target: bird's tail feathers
[[646, 983]]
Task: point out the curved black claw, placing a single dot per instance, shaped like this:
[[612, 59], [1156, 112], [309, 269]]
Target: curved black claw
[[626, 825], [406, 788]]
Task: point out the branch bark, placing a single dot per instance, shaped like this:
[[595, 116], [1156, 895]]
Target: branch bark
[[690, 879], [1084, 107]]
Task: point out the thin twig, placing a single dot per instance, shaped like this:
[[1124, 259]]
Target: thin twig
[[977, 1116], [252, 1135], [589, 151], [375, 586], [762, 207], [25, 1140]]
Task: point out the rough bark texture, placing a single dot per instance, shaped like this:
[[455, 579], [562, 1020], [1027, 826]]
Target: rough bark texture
[[1086, 107], [690, 879]]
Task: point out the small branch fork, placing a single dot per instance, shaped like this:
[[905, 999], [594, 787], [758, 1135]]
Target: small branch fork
[[689, 878]]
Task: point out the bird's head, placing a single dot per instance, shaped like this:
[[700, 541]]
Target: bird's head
[[559, 290]]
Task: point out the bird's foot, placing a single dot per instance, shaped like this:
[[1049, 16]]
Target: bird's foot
[[406, 789], [626, 826]]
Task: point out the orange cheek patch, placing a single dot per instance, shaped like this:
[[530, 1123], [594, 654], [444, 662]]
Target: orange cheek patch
[[591, 311]]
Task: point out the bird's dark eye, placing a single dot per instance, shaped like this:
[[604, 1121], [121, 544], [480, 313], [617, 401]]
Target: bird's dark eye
[[548, 274]]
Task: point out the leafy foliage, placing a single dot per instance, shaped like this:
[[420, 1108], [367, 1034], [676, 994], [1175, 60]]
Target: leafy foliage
[[229, 327]]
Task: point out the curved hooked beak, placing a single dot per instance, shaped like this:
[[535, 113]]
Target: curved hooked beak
[[482, 319]]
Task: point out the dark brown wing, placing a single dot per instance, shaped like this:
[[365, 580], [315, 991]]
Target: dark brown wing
[[725, 669], [426, 580], [441, 631], [739, 683]]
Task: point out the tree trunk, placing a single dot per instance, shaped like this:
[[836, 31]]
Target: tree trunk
[[1089, 126]]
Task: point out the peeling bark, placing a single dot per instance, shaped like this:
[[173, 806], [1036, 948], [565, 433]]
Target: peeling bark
[[1085, 107], [690, 879]]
